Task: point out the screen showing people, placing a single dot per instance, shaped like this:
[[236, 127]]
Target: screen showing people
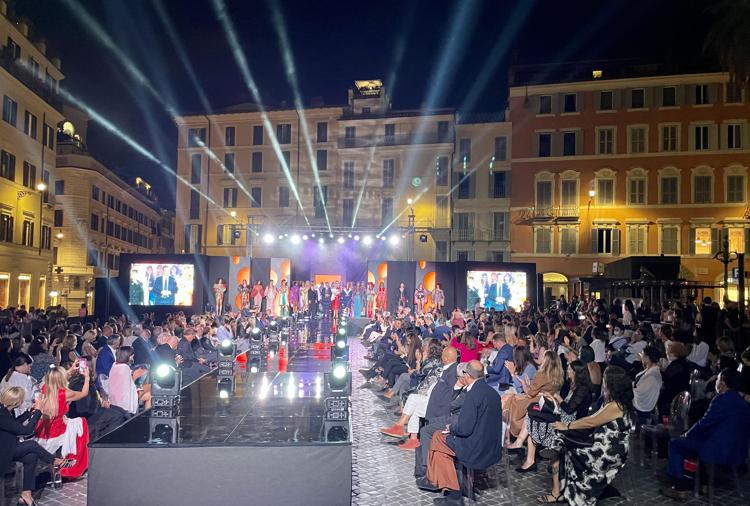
[[500, 290], [161, 284]]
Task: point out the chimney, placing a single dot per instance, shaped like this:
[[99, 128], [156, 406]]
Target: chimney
[[41, 45]]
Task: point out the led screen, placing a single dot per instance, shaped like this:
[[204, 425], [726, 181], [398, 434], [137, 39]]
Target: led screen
[[161, 284], [500, 290]]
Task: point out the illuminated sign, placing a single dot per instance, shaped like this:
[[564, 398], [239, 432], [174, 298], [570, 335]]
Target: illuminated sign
[[370, 87]]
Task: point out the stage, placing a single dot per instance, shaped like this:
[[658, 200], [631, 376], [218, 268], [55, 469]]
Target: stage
[[265, 444]]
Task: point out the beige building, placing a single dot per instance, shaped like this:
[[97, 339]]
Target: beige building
[[97, 217], [31, 110], [353, 168]]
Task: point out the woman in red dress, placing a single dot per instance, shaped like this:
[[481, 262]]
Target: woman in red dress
[[55, 430], [381, 298]]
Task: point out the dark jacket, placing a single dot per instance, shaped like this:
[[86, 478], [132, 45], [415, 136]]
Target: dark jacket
[[579, 402], [10, 428], [442, 393], [497, 373], [475, 437], [141, 351], [676, 379], [723, 432]]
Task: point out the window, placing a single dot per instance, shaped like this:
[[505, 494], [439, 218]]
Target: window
[[230, 197], [257, 135], [734, 136], [703, 240], [462, 256], [58, 218], [319, 202], [322, 159], [287, 160], [349, 175], [29, 125], [464, 150], [464, 185], [499, 185], [543, 240], [606, 100], [735, 189], [284, 133], [256, 197], [638, 98], [570, 102], [734, 93], [670, 239], [441, 251], [637, 139], [443, 131], [501, 148], [701, 136], [545, 145], [702, 189], [606, 141], [568, 241], [348, 215], [48, 136], [27, 233], [350, 132], [225, 234], [95, 222], [29, 175], [195, 200], [464, 223], [605, 192], [389, 173], [386, 211], [34, 67], [545, 104], [636, 239], [701, 94], [283, 196], [229, 136], [669, 138], [390, 133], [500, 226], [229, 162], [46, 237], [6, 228], [544, 197], [95, 192], [195, 169], [669, 96], [256, 162], [569, 197], [14, 52], [10, 110], [637, 190], [736, 238], [569, 143], [605, 241], [196, 137], [322, 128], [669, 187], [442, 171]]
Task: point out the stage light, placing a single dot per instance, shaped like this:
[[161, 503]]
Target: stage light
[[321, 241], [253, 369], [313, 235], [304, 237], [393, 240], [268, 238], [330, 236], [273, 323], [339, 372], [341, 343], [350, 236], [233, 214], [59, 235], [281, 236], [256, 331], [342, 331], [223, 394], [295, 239], [356, 237], [226, 343], [423, 238], [340, 240], [163, 371], [382, 238], [409, 201]]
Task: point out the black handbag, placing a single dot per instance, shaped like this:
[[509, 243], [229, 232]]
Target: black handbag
[[543, 412], [578, 438]]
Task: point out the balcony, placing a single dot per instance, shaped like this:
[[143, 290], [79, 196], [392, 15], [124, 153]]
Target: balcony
[[463, 234], [544, 212], [568, 211], [480, 235], [36, 85], [395, 140]]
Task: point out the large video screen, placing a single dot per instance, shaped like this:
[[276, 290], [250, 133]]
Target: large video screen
[[161, 284], [500, 290]]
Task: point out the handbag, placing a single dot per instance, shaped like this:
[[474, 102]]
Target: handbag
[[544, 411], [578, 438]]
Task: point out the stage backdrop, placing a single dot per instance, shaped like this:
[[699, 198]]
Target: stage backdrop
[[239, 271]]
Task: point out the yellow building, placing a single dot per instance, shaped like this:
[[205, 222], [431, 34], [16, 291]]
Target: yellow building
[[31, 110], [97, 217], [362, 168]]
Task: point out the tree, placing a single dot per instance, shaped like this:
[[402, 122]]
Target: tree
[[729, 38]]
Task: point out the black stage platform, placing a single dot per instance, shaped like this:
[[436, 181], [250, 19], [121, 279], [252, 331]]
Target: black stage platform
[[263, 445]]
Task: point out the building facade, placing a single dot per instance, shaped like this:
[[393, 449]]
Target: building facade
[[31, 111], [97, 217], [610, 167], [362, 168]]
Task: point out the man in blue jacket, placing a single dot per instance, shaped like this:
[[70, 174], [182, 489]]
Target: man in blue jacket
[[473, 440], [498, 376], [720, 437]]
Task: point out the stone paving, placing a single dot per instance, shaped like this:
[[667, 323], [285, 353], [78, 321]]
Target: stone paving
[[383, 474]]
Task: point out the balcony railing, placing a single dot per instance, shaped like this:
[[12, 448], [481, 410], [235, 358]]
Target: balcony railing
[[36, 85], [395, 140], [463, 234], [549, 212], [544, 212], [570, 211], [478, 235]]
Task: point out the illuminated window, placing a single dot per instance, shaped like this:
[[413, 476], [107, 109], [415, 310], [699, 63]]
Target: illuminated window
[[24, 290], [703, 241], [605, 192], [637, 186], [736, 239], [4, 289]]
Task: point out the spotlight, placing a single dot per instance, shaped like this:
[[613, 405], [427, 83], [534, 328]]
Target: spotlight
[[409, 201], [321, 241], [423, 238], [268, 238], [223, 394], [330, 236], [338, 382], [304, 237], [273, 323], [256, 331], [356, 237], [341, 343], [350, 236], [340, 240], [313, 235], [367, 240], [225, 387], [295, 239], [393, 240], [165, 392], [281, 236], [339, 372], [342, 331], [253, 369], [382, 238]]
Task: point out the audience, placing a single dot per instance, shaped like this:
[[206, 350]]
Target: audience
[[647, 385]]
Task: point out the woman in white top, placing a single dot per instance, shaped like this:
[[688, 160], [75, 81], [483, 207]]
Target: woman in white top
[[20, 376], [698, 352], [122, 389], [647, 384]]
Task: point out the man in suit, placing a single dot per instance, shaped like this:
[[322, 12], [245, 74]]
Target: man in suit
[[192, 365], [106, 357], [142, 348], [326, 295], [473, 440], [164, 289], [498, 376], [720, 437], [493, 292]]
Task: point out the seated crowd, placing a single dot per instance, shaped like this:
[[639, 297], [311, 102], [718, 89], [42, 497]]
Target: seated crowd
[[569, 385]]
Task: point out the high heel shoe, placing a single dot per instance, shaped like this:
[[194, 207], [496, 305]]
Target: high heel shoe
[[530, 469]]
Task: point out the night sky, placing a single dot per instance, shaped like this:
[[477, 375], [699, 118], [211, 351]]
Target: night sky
[[334, 43]]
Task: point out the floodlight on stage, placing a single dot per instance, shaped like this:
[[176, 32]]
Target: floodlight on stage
[[321, 241], [304, 237], [253, 365], [340, 240], [367, 240], [338, 382], [342, 331], [281, 236], [341, 343], [356, 237], [393, 240], [382, 238], [273, 323], [166, 380], [295, 239], [350, 236], [225, 387], [409, 201], [339, 372], [313, 234], [330, 236], [268, 238], [223, 394]]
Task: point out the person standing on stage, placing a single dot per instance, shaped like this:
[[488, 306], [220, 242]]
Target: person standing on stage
[[370, 298], [335, 299], [420, 298], [357, 301], [381, 299], [219, 288], [312, 300], [294, 297], [438, 298], [271, 298], [303, 303], [244, 292], [257, 295], [403, 301], [283, 298], [326, 298], [345, 300]]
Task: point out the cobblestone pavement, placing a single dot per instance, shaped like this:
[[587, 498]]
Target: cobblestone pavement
[[383, 474]]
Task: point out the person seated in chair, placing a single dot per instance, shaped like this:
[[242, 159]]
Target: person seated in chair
[[720, 437]]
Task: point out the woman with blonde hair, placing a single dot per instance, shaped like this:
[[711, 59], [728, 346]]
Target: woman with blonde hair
[[55, 430]]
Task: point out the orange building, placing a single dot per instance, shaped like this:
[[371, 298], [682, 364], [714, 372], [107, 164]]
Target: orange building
[[607, 167]]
